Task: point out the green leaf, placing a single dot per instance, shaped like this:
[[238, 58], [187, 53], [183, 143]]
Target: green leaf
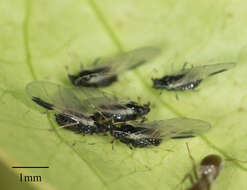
[[38, 39]]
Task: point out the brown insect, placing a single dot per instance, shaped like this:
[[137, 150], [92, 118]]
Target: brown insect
[[210, 167]]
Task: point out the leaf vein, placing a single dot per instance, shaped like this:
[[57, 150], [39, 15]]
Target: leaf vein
[[101, 18], [26, 39], [100, 15]]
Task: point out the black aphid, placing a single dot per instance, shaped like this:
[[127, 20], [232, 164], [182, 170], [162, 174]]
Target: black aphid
[[85, 111], [123, 111], [89, 127], [210, 167], [190, 78], [152, 133], [66, 104], [107, 69]]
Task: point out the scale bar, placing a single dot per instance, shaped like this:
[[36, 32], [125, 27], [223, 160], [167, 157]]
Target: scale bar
[[30, 166]]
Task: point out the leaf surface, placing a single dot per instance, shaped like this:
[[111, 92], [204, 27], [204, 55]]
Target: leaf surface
[[40, 38]]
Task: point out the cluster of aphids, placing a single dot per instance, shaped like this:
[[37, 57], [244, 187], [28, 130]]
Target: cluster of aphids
[[89, 110]]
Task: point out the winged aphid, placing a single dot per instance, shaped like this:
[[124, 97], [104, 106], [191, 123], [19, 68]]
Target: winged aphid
[[107, 69], [66, 105], [122, 111], [190, 78], [82, 110], [138, 134]]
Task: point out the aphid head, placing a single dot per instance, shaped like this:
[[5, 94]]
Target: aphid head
[[80, 80], [139, 109], [210, 167], [166, 81], [160, 83]]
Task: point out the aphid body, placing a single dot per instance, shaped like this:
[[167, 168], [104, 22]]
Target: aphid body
[[190, 78], [66, 104], [145, 134], [86, 110], [123, 111], [107, 69]]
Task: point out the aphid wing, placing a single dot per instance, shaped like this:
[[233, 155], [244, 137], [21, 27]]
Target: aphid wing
[[60, 97], [97, 98], [201, 72], [131, 59], [177, 127], [180, 127]]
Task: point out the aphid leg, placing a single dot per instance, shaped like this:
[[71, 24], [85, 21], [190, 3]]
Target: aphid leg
[[147, 104], [193, 162], [130, 146], [69, 125], [143, 119], [96, 61], [176, 95], [112, 143], [99, 112], [184, 66]]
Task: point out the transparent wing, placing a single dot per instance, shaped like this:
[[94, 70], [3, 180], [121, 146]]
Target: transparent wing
[[74, 100], [130, 60], [201, 72], [172, 128]]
